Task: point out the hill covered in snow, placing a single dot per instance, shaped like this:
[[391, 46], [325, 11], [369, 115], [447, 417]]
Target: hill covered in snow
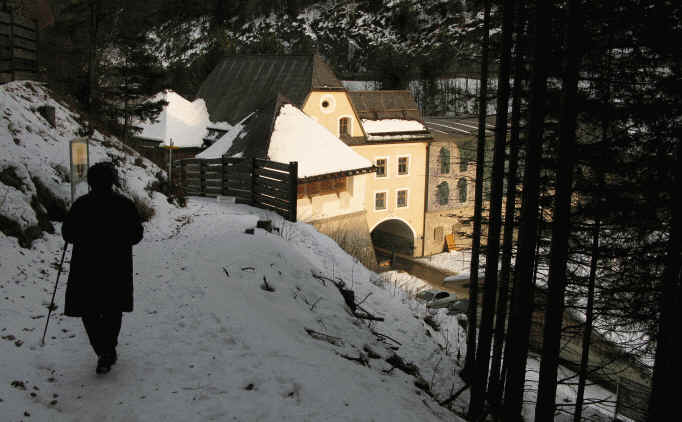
[[35, 189], [227, 325]]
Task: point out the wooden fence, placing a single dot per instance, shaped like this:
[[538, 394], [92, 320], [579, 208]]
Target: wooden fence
[[632, 400], [261, 183], [18, 48]]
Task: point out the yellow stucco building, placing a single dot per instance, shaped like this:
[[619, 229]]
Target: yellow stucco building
[[349, 204]]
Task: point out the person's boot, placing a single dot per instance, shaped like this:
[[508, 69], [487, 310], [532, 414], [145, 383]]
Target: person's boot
[[104, 364]]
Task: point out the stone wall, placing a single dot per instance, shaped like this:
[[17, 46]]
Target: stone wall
[[350, 231]]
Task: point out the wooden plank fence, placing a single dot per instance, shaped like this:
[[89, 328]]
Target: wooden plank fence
[[261, 183], [632, 400], [18, 48]]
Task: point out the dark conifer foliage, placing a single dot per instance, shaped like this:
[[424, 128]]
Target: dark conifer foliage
[[99, 55]]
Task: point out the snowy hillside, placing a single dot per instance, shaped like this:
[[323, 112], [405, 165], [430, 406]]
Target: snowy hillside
[[34, 164], [206, 341], [348, 34]]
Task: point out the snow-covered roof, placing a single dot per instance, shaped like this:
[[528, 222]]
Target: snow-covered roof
[[224, 143], [293, 136], [391, 125], [297, 137], [182, 121]]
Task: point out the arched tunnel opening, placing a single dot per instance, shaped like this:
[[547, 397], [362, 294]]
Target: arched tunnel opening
[[393, 236]]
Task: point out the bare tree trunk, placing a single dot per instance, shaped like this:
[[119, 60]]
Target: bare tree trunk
[[485, 333], [596, 229], [587, 333], [495, 384], [469, 365], [522, 303], [561, 224]]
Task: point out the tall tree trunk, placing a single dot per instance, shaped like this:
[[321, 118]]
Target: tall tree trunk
[[485, 333], [515, 359], [469, 365], [92, 62], [587, 332], [496, 383], [668, 366], [596, 229], [561, 225]]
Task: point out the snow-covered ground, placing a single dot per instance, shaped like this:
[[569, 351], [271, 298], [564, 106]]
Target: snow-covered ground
[[205, 341]]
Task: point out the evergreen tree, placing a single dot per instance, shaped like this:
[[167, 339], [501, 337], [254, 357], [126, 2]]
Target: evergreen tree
[[132, 76]]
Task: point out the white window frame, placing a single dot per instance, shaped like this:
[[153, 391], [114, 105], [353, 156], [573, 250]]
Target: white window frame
[[397, 165], [386, 168], [407, 198], [332, 103], [350, 124], [386, 199]]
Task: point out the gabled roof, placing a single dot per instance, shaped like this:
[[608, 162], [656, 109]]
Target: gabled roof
[[279, 131], [380, 105], [240, 84]]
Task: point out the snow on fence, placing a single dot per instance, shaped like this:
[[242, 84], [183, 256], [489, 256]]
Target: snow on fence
[[261, 183], [18, 48]]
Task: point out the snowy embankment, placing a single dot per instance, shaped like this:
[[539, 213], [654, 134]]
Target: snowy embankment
[[34, 162], [205, 341]]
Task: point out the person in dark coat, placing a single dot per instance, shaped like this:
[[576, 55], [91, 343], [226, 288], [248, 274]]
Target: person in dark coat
[[103, 227]]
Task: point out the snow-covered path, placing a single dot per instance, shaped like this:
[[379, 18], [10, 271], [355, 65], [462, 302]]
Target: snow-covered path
[[204, 346]]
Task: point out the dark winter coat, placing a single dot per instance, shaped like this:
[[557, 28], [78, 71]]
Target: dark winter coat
[[103, 227]]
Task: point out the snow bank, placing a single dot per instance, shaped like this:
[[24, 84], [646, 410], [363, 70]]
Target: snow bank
[[297, 137], [409, 283]]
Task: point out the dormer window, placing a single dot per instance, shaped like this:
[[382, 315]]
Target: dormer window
[[344, 127]]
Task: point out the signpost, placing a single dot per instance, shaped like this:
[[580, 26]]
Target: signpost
[[170, 162], [80, 162], [171, 146]]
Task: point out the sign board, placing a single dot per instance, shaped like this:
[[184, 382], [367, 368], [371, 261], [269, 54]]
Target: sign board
[[80, 161]]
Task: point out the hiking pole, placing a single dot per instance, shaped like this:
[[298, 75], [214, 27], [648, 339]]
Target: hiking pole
[[42, 342]]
